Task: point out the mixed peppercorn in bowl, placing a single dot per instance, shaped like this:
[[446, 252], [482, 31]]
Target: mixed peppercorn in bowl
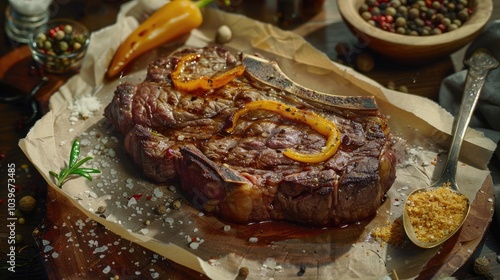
[[60, 45], [415, 31]]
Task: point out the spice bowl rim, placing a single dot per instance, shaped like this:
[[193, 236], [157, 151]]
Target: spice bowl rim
[[38, 55], [378, 39]]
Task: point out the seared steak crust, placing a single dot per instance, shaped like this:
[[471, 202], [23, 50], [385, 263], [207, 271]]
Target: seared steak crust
[[244, 177]]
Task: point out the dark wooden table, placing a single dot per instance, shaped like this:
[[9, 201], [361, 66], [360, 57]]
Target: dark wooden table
[[324, 31]]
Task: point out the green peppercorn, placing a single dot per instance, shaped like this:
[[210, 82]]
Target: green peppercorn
[[413, 13], [68, 29], [395, 3], [41, 37], [446, 22], [436, 31], [47, 45], [403, 10], [364, 8], [366, 15], [463, 15], [391, 11], [63, 46], [19, 238], [371, 3], [403, 88], [419, 22], [400, 22], [60, 35], [452, 27], [76, 46], [421, 3]]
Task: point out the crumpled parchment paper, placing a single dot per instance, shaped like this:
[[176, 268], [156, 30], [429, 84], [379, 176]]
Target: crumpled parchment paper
[[214, 247]]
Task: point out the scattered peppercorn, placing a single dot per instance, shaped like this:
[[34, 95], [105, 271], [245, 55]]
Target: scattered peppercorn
[[161, 209], [342, 49], [365, 62], [403, 88], [27, 203], [302, 270], [391, 85], [223, 34], [176, 204], [19, 238], [243, 272], [416, 18], [101, 209], [21, 221], [481, 266]]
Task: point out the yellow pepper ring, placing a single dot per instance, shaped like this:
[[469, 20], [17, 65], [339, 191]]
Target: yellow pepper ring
[[204, 83], [319, 124]]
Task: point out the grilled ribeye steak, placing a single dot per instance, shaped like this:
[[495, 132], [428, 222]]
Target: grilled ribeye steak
[[243, 176]]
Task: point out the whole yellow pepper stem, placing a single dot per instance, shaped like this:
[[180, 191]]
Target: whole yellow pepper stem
[[316, 122], [171, 21]]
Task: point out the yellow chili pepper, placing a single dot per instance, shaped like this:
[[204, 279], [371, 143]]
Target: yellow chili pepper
[[171, 21], [319, 124], [202, 82]]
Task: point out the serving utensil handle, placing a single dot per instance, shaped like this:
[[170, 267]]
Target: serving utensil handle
[[480, 63]]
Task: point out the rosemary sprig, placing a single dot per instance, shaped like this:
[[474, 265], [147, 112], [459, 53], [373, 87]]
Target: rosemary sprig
[[74, 166]]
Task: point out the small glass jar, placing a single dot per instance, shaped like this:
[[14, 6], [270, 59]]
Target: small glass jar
[[22, 17]]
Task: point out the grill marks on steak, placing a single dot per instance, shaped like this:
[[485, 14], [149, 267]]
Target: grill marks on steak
[[244, 177]]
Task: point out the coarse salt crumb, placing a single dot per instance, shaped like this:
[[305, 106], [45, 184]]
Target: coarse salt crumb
[[227, 228], [100, 249], [157, 192], [131, 202], [83, 107], [106, 270], [253, 239], [194, 245], [47, 248]]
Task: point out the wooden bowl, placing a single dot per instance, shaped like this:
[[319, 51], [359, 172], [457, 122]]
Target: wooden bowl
[[414, 49]]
